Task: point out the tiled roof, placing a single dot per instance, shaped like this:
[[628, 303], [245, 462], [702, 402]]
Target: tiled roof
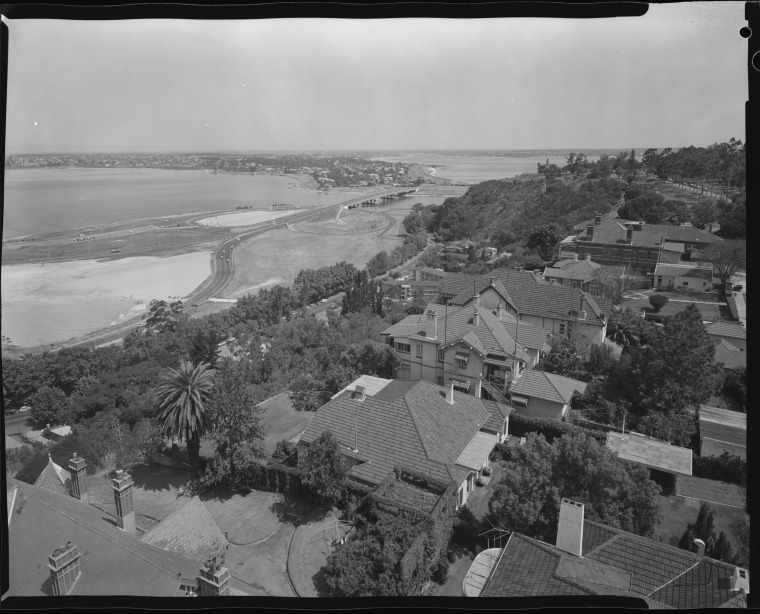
[[407, 422], [547, 386], [190, 532], [612, 231], [372, 385], [684, 270], [475, 455], [629, 565], [572, 269], [54, 477], [112, 562], [683, 234], [720, 415], [651, 564], [551, 301], [726, 329], [722, 434], [730, 355], [706, 585], [496, 414], [532, 337]]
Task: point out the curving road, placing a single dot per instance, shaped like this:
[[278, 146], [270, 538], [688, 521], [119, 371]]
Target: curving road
[[222, 269]]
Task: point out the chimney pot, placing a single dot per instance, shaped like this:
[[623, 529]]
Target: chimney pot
[[575, 256], [700, 547], [68, 545], [597, 219], [56, 552], [62, 548]]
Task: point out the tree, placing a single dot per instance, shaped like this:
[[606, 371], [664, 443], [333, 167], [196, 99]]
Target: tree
[[545, 238], [46, 405], [181, 399], [538, 475], [323, 470], [370, 358], [727, 258], [413, 222], [163, 316], [564, 359], [675, 371], [235, 424], [658, 301], [284, 451]]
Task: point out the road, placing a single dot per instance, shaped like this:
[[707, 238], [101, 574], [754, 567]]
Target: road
[[222, 270], [16, 424]]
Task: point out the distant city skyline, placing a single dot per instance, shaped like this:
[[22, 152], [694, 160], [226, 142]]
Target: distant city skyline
[[674, 77]]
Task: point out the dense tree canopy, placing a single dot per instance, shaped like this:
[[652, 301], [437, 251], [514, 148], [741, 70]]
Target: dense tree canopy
[[323, 470], [538, 475]]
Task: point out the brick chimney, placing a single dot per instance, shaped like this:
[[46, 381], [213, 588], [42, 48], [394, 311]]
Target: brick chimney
[[629, 235], [432, 315], [214, 580], [597, 219], [700, 547], [590, 232], [78, 470], [450, 393], [588, 257], [64, 568], [122, 496], [570, 527]]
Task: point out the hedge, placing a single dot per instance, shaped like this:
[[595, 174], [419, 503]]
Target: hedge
[[726, 467], [275, 477], [520, 425]]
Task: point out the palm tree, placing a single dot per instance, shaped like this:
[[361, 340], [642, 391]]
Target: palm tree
[[181, 397]]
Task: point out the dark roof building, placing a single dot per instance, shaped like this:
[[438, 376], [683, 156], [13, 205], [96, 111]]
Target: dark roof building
[[729, 355], [722, 430], [590, 558]]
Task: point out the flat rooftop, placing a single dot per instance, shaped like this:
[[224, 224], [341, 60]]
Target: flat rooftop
[[650, 452]]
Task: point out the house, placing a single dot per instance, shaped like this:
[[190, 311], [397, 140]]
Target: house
[[465, 346], [729, 355], [732, 332], [575, 273], [423, 273], [563, 311], [589, 558], [613, 241], [738, 307], [722, 430], [684, 275], [433, 430], [60, 544], [543, 395]]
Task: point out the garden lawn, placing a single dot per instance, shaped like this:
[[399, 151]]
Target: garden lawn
[[264, 564], [281, 420], [713, 491], [708, 305], [309, 552], [245, 518]]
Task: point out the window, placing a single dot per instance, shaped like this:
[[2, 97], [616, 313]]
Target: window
[[686, 283], [404, 347], [562, 329], [441, 355], [440, 381], [659, 280], [418, 350], [462, 360]]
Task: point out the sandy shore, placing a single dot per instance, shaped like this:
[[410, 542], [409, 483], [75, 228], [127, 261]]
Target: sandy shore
[[58, 301]]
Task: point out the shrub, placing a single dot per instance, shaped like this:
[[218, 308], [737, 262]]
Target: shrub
[[726, 467], [33, 467], [440, 572], [520, 425], [480, 482], [658, 301], [487, 471]]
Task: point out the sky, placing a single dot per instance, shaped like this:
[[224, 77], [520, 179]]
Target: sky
[[674, 77]]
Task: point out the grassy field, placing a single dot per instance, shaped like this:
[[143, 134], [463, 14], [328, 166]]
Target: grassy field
[[352, 221], [278, 256], [245, 518], [707, 303], [282, 421]]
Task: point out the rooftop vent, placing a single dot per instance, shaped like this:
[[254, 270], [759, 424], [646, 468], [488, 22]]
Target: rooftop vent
[[360, 393]]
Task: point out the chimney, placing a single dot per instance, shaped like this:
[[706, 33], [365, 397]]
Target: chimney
[[590, 232], [476, 316], [361, 391], [492, 278], [597, 219], [740, 580], [450, 393], [214, 580], [629, 235], [64, 568], [588, 257], [122, 496], [575, 256], [570, 527], [477, 300], [499, 311], [432, 315], [78, 470], [709, 228], [700, 547]]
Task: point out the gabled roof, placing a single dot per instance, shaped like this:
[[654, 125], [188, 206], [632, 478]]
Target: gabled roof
[[532, 337], [722, 430], [408, 423], [683, 234], [727, 329], [581, 270], [372, 385], [731, 356], [190, 532], [547, 386], [613, 232], [650, 452], [54, 477], [112, 562], [552, 301], [614, 562]]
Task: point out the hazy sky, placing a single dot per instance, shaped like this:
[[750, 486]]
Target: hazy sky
[[676, 76]]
